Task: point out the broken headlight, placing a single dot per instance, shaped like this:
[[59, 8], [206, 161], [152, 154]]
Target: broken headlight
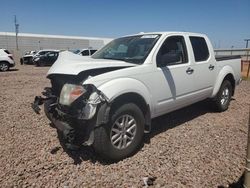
[[70, 93]]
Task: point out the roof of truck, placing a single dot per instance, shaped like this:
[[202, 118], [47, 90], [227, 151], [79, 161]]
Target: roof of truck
[[169, 32]]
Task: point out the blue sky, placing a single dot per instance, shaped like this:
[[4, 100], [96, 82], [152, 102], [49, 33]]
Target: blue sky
[[226, 22]]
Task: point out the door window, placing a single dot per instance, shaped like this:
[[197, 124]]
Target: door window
[[85, 53], [172, 52]]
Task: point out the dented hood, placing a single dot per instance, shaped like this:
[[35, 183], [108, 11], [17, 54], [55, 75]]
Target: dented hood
[[72, 64]]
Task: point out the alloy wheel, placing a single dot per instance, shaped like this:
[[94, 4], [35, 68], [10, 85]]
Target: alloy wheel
[[123, 131]]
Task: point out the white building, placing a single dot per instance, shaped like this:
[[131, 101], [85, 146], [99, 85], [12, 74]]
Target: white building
[[27, 42]]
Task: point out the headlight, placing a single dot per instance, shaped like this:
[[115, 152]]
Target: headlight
[[70, 93]]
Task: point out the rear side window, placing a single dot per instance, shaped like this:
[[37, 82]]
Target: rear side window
[[200, 48], [6, 51]]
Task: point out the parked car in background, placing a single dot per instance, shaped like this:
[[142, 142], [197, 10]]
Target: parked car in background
[[27, 58], [109, 99], [48, 59], [84, 52], [6, 60], [42, 52]]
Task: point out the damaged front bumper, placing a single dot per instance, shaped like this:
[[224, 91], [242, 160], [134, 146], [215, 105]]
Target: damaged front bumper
[[77, 121]]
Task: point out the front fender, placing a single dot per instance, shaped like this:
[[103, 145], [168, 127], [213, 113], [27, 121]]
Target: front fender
[[222, 74], [117, 87]]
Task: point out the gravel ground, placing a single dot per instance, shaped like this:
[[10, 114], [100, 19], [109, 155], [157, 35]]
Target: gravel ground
[[192, 147]]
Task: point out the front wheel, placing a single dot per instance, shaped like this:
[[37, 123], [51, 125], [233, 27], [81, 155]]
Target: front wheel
[[122, 136], [223, 97]]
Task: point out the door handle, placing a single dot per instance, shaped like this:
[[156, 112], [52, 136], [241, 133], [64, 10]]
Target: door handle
[[211, 67], [189, 70]]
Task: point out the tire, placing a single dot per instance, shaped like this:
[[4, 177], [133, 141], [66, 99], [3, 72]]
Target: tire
[[223, 97], [112, 149], [4, 66]]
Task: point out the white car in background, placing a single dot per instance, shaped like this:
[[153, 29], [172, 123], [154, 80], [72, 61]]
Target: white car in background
[[6, 60], [84, 52]]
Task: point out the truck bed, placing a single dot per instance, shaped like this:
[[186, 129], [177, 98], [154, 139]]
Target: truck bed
[[226, 57]]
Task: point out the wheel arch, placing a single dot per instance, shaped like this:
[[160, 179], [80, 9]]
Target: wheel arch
[[4, 61], [127, 90], [226, 73], [130, 97]]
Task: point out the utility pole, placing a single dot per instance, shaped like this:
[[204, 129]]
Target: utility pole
[[247, 42], [17, 30]]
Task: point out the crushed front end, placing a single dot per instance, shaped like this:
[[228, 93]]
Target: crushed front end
[[72, 109]]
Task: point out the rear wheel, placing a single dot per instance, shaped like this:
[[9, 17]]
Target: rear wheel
[[223, 97], [4, 66], [122, 136]]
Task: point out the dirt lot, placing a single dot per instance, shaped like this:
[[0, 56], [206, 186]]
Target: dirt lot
[[193, 147]]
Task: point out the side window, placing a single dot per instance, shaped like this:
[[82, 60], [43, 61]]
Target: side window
[[200, 48], [92, 51], [52, 54], [172, 52], [85, 52]]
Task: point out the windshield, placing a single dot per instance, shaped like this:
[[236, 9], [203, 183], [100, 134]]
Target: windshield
[[133, 49], [75, 51]]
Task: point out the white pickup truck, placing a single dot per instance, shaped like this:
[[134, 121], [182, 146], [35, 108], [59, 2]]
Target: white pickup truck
[[109, 99]]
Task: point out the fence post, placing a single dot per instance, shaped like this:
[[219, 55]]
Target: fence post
[[248, 69], [247, 170], [241, 68]]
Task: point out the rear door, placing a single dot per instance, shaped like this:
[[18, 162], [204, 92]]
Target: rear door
[[204, 67], [51, 57]]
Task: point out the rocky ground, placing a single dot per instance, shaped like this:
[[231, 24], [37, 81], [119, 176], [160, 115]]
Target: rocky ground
[[192, 147]]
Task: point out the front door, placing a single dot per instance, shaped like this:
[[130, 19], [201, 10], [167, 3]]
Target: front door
[[174, 82]]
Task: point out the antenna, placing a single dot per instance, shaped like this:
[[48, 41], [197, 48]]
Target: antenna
[[17, 31]]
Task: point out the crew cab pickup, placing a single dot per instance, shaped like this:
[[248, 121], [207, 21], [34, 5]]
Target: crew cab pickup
[[109, 99]]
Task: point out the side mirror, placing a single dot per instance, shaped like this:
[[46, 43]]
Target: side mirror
[[168, 59]]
